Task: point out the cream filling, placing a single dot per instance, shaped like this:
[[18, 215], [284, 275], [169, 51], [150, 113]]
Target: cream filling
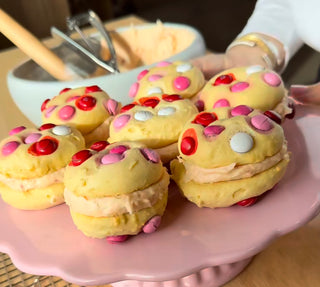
[[282, 108], [39, 182], [120, 204], [231, 172], [169, 152]]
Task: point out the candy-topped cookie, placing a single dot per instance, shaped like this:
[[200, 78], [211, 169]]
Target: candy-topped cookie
[[89, 109], [155, 122], [168, 78], [32, 165], [116, 190], [254, 86], [228, 156]]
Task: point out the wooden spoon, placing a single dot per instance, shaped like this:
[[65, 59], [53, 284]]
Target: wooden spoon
[[35, 49]]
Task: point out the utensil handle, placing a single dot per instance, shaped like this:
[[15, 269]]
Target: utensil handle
[[31, 46]]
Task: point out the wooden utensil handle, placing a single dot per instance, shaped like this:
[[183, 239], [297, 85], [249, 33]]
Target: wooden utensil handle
[[31, 46]]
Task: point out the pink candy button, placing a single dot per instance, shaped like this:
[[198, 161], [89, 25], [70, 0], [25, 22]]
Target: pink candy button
[[120, 149], [111, 106], [261, 122], [272, 79], [32, 138], [154, 78], [111, 158], [239, 87], [133, 90], [142, 74], [9, 148], [221, 103], [164, 64], [16, 130], [152, 225], [213, 130], [241, 110], [181, 83], [66, 113], [49, 111], [151, 155], [117, 239], [121, 121]]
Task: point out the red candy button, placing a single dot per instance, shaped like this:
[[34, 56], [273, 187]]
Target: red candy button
[[45, 146], [248, 201], [224, 80], [200, 105], [92, 89], [44, 105], [273, 116], [293, 111], [86, 103], [127, 108], [152, 102], [46, 127], [80, 157], [188, 145], [171, 98], [98, 146], [205, 119], [64, 90], [142, 74], [120, 149]]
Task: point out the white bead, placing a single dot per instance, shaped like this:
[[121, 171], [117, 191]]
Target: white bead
[[155, 90], [61, 130], [254, 69], [184, 68], [241, 142], [166, 111], [143, 116]]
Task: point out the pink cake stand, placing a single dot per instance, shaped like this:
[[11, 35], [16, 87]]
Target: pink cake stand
[[193, 247]]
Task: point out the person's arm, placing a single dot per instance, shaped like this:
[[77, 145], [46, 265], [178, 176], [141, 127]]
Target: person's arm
[[274, 19], [271, 19]]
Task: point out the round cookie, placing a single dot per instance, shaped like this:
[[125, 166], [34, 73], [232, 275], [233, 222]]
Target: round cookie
[[254, 86], [156, 122], [116, 190], [168, 78], [228, 156], [32, 165], [89, 109]]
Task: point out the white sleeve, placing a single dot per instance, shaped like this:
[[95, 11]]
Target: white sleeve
[[274, 18]]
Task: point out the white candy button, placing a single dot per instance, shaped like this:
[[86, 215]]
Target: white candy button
[[254, 69], [155, 90], [241, 142], [184, 68], [166, 111], [61, 130], [143, 116]]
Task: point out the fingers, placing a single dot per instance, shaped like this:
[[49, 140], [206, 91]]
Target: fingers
[[210, 64], [306, 94]]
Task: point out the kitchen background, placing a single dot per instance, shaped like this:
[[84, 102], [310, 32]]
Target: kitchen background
[[218, 21]]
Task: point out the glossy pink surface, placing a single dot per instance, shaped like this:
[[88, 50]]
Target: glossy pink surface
[[47, 242]]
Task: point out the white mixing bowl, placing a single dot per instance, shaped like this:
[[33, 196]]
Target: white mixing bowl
[[29, 91]]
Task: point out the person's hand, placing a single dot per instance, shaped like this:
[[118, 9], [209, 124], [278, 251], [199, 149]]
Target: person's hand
[[212, 64], [238, 56], [306, 94]]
